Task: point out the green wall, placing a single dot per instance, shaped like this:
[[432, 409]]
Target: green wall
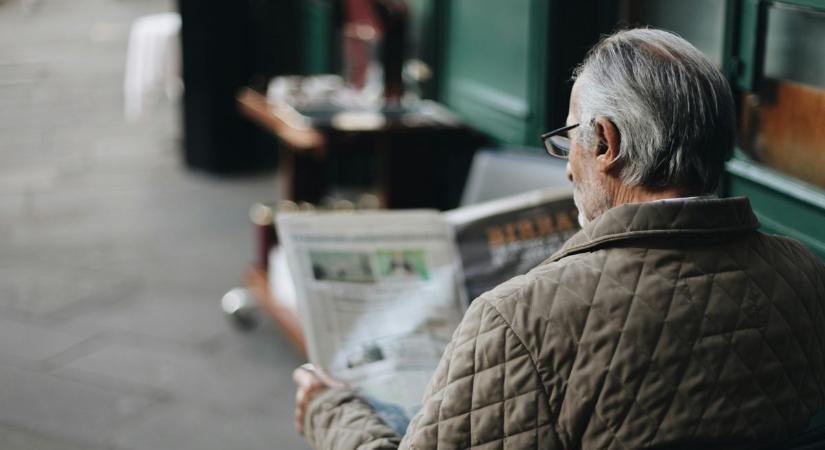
[[783, 205], [506, 65], [492, 54]]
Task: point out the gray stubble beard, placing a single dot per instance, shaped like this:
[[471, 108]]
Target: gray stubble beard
[[599, 201]]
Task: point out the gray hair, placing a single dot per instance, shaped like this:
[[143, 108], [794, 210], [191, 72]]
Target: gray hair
[[672, 107]]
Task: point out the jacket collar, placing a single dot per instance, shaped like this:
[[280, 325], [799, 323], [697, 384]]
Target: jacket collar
[[702, 217]]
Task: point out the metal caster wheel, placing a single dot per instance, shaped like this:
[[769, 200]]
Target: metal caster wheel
[[241, 309]]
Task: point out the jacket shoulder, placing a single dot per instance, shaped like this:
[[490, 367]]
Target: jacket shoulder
[[558, 286], [793, 261], [485, 393], [545, 277], [547, 310], [793, 250]]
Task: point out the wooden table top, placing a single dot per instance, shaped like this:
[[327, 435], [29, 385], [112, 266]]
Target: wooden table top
[[300, 137], [310, 132]]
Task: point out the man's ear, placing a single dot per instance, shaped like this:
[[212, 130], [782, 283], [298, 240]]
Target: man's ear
[[607, 150]]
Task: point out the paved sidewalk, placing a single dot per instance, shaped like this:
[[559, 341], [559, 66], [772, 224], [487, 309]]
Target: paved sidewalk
[[113, 258]]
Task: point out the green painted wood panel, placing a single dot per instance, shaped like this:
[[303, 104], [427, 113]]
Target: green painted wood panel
[[506, 65], [317, 17], [494, 60], [783, 206], [747, 57], [818, 4], [490, 47]]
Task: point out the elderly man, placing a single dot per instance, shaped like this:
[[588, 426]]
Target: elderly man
[[668, 321]]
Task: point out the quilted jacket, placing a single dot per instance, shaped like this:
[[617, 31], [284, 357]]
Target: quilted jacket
[[669, 324]]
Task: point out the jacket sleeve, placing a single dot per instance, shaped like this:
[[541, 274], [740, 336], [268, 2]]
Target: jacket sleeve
[[339, 419], [485, 393]]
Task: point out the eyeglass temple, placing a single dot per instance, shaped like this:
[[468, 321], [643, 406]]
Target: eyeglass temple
[[560, 130]]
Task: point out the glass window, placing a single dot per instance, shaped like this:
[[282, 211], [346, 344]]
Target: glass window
[[795, 45], [783, 119]]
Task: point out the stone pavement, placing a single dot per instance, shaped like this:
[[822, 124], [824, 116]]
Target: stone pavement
[[113, 258]]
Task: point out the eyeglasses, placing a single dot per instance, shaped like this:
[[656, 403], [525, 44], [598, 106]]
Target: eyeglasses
[[557, 143]]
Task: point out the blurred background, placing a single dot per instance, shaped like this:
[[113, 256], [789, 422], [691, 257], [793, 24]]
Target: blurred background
[[145, 145]]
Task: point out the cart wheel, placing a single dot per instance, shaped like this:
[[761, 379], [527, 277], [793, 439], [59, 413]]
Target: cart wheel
[[241, 309]]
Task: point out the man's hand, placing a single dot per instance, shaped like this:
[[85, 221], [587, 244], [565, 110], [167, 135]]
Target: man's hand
[[310, 381]]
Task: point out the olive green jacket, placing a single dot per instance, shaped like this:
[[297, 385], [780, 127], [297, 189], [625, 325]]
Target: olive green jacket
[[669, 324]]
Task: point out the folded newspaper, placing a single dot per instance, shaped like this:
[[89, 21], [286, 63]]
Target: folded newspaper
[[380, 293]]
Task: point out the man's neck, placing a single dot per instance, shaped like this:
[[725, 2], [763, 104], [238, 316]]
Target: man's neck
[[626, 194]]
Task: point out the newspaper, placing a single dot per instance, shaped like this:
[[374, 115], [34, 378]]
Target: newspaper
[[379, 296], [500, 239]]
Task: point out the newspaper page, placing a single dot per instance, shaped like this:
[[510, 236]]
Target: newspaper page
[[379, 296], [502, 238]]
